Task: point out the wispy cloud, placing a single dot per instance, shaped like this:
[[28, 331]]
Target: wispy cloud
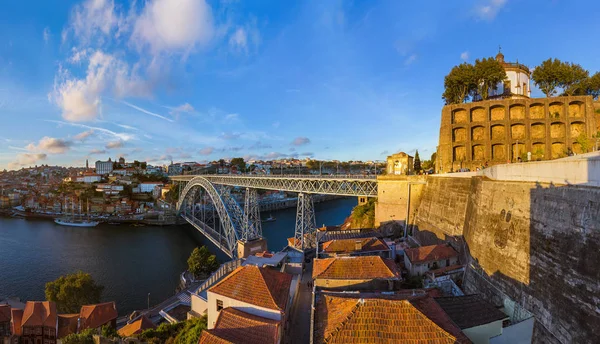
[[300, 141], [410, 59], [146, 111], [464, 56], [46, 34], [115, 144], [120, 136], [84, 135], [50, 145], [488, 9]]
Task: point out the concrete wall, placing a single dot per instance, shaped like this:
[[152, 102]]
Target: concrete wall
[[482, 334], [392, 196]]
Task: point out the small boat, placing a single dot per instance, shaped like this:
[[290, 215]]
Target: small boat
[[269, 219], [65, 221]]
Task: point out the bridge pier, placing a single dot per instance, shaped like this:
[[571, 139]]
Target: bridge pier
[[304, 236], [252, 227]]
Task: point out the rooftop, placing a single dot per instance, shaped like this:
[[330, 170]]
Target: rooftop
[[262, 287], [354, 245], [235, 326], [430, 253], [39, 313], [136, 327], [67, 324], [4, 313], [362, 267], [94, 316], [354, 319], [470, 310]]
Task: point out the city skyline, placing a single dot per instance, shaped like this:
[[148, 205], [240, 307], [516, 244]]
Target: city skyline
[[347, 81]]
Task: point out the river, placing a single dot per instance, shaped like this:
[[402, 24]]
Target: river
[[129, 262]]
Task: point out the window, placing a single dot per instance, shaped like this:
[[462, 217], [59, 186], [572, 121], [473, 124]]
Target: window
[[447, 262], [219, 305]]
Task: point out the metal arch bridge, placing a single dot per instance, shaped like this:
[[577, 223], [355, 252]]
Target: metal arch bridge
[[237, 224]]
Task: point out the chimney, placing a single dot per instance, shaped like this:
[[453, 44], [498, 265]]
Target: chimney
[[358, 245]]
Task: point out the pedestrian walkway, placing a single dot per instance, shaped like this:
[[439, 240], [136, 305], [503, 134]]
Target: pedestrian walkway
[[299, 330]]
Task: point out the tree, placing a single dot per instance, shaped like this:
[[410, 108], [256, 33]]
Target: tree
[[488, 74], [459, 83], [84, 337], [593, 85], [584, 142], [573, 79], [201, 262], [191, 331], [417, 163], [547, 76], [240, 163], [72, 291]]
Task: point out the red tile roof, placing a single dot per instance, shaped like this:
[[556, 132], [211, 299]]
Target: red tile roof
[[430, 253], [94, 316], [362, 267], [350, 245], [262, 287], [5, 313], [235, 326], [17, 318], [67, 324], [39, 313], [136, 327], [347, 319]]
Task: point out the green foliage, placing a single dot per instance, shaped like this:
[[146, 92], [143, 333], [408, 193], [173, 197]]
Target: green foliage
[[72, 291], [547, 76], [162, 333], [488, 74], [185, 332], [459, 83], [84, 337], [172, 196], [191, 331], [593, 87], [417, 162], [584, 142], [109, 332], [151, 178], [239, 163], [573, 79], [202, 263], [363, 216]]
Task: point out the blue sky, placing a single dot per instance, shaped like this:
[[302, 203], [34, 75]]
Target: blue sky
[[199, 80]]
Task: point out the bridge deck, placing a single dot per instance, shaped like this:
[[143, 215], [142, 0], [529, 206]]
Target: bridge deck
[[351, 185]]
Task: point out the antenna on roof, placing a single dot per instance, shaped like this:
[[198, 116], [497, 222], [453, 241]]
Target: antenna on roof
[[499, 48]]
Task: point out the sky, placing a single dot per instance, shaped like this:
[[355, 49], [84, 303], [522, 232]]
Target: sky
[[199, 80]]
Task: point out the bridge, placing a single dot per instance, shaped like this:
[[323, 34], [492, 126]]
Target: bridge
[[206, 202]]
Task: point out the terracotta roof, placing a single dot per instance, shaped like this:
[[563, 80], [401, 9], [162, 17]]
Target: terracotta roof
[[39, 313], [350, 245], [344, 319], [94, 316], [445, 269], [5, 313], [430, 253], [470, 310], [67, 324], [17, 318], [363, 267], [136, 327], [262, 287], [235, 326]]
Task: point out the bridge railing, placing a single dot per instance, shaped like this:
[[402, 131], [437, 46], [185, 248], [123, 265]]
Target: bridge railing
[[286, 176]]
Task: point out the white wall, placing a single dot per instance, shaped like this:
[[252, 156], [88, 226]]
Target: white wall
[[521, 78], [481, 334], [520, 333], [242, 306]]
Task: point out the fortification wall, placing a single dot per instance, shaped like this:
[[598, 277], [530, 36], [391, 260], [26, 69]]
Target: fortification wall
[[392, 196], [535, 244]]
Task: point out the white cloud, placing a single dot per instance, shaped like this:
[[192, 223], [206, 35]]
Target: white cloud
[[182, 108], [167, 25], [239, 40], [147, 112], [300, 141], [93, 19], [50, 145], [230, 136], [206, 151], [26, 159], [489, 9], [97, 151], [464, 55], [244, 38], [105, 132], [115, 144], [232, 117], [409, 60], [46, 34], [84, 135], [78, 55]]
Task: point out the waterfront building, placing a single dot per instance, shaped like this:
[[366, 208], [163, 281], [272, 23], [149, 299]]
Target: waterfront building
[[236, 326], [104, 167], [98, 315], [400, 163], [5, 319], [136, 327], [372, 246], [355, 273], [382, 318], [421, 259], [262, 292], [38, 323]]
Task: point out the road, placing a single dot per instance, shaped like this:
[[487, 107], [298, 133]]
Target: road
[[299, 331]]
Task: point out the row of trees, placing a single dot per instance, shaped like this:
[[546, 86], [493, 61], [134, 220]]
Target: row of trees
[[467, 81], [570, 79], [425, 165]]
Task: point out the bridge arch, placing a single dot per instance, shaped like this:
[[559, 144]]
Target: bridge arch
[[229, 212]]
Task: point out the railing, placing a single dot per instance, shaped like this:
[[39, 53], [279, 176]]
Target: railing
[[283, 176]]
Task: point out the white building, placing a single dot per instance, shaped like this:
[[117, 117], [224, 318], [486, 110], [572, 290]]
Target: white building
[[148, 186], [104, 167], [517, 84], [419, 260]]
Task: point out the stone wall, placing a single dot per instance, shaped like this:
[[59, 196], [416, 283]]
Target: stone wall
[[392, 194]]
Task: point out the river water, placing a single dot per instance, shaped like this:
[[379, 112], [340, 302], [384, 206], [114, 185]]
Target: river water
[[129, 262]]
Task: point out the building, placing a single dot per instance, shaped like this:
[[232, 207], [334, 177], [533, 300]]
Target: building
[[477, 319], [355, 273], [485, 133], [238, 327], [517, 84], [5, 319], [355, 247], [96, 316], [400, 163], [380, 318], [421, 259], [262, 292], [136, 327], [149, 186], [39, 323], [104, 167]]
